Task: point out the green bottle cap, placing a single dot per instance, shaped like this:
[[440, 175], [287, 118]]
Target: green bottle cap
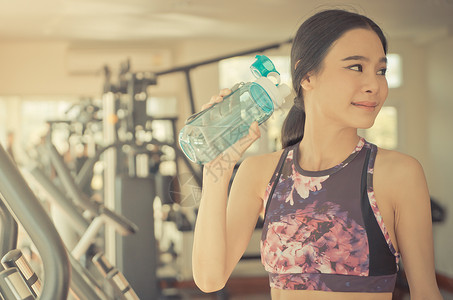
[[262, 66]]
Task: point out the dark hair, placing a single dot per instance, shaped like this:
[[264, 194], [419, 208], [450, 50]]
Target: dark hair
[[310, 46]]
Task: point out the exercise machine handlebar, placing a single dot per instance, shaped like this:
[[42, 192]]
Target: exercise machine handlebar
[[26, 207], [8, 230], [58, 198], [121, 223], [15, 259]]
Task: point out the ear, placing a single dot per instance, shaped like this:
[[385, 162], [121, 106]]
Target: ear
[[307, 82]]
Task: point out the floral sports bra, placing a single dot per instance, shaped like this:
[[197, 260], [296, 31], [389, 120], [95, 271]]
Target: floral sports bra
[[323, 230]]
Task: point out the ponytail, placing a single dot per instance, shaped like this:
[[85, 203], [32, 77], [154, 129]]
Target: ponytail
[[293, 127]]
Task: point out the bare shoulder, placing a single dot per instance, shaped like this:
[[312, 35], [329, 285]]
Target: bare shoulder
[[398, 172], [261, 164], [258, 169], [257, 160], [396, 164]]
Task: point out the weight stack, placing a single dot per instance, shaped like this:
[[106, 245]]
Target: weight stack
[[136, 254]]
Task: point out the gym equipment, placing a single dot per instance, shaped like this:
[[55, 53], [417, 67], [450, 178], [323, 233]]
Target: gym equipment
[[15, 259], [24, 205], [12, 285], [8, 230], [115, 277], [124, 124], [88, 231], [17, 267]]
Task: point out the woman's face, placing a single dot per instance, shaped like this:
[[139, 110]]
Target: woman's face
[[351, 87]]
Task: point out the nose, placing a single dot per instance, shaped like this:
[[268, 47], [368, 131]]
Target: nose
[[371, 84]]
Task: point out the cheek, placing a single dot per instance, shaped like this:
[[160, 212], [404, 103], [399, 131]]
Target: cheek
[[334, 85], [384, 91]]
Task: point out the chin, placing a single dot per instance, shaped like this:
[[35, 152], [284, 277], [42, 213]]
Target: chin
[[365, 125]]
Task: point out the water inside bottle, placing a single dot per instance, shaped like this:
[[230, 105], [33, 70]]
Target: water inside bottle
[[219, 127]]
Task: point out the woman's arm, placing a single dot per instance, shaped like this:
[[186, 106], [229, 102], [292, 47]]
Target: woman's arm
[[223, 231], [222, 234], [413, 226]]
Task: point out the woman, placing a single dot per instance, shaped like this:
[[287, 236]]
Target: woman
[[338, 210]]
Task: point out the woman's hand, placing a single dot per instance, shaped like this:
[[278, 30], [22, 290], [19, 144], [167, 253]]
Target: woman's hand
[[229, 158], [216, 99]]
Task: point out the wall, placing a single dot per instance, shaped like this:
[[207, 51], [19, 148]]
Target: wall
[[425, 104], [410, 99], [37, 68], [439, 67]]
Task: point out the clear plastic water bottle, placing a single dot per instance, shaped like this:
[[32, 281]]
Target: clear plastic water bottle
[[211, 131]]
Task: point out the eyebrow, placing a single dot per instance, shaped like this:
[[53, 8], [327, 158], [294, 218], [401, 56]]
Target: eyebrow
[[360, 57]]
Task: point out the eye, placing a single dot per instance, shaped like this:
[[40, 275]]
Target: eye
[[382, 71], [357, 68]]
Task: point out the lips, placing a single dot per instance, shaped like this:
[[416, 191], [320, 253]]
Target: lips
[[365, 104]]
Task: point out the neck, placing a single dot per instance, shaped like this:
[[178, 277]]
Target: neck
[[325, 145]]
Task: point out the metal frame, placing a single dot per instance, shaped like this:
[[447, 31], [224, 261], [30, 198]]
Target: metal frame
[[26, 207]]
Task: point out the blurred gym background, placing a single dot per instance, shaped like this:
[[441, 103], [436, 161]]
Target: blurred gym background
[[94, 92]]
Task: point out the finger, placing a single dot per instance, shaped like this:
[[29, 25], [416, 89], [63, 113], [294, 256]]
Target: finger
[[225, 92], [212, 101], [218, 99], [254, 131], [213, 98], [205, 106]]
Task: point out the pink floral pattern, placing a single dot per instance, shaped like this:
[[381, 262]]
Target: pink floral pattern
[[304, 184], [317, 239], [267, 192], [360, 145]]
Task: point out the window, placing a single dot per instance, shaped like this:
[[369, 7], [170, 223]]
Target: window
[[26, 116], [36, 111], [394, 70], [3, 120], [384, 132], [161, 107]]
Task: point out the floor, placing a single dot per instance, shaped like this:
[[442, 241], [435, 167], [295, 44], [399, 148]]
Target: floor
[[446, 295]]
